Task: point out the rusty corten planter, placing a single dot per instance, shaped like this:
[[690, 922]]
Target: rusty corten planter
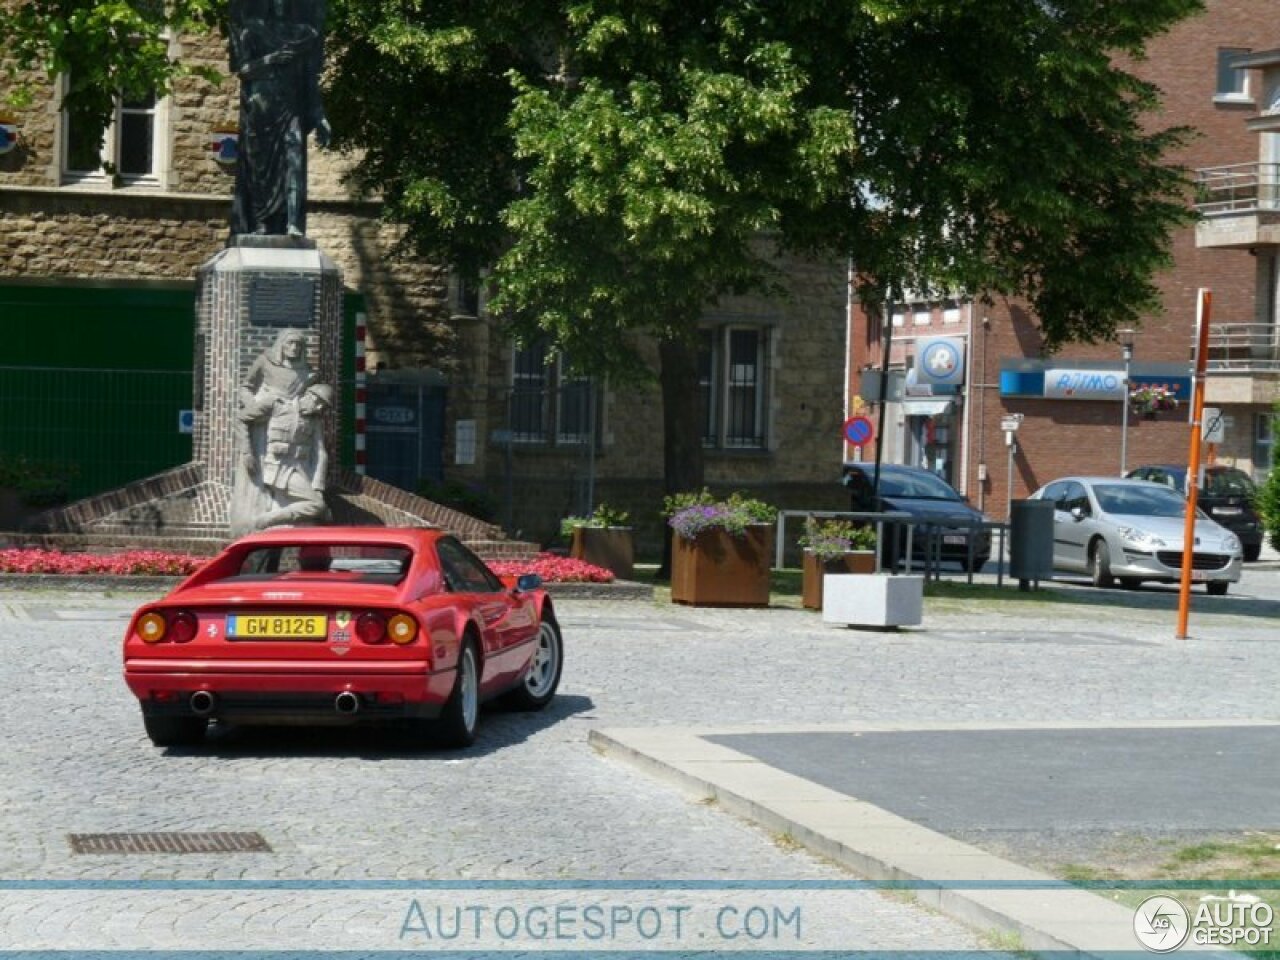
[[608, 547], [720, 570], [856, 561]]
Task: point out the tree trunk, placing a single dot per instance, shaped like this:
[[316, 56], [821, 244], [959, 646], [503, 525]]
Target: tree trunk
[[681, 428]]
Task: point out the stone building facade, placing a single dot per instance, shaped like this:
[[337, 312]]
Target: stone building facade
[[774, 370]]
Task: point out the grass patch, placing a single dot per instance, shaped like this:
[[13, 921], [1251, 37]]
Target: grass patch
[[1201, 873]]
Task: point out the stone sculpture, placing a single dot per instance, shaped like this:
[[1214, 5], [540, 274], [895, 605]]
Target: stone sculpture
[[277, 51], [285, 484], [295, 461]]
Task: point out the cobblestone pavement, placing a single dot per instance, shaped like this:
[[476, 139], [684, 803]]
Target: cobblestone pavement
[[531, 800]]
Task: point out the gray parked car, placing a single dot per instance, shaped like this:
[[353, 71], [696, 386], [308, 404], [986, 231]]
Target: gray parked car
[[1133, 530]]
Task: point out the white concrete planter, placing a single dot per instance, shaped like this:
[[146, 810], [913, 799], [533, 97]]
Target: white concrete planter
[[872, 599]]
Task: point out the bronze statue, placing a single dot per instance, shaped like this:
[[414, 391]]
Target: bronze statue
[[277, 51]]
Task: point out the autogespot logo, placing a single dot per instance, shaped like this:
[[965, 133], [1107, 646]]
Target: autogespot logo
[[1161, 924]]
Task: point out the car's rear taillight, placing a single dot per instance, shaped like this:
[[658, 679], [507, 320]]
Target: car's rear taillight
[[371, 628], [152, 628], [402, 628], [183, 627]]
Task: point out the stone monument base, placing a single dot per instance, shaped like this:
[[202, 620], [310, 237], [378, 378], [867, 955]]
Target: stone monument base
[[182, 510]]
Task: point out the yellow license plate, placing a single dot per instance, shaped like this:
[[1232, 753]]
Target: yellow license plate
[[274, 626]]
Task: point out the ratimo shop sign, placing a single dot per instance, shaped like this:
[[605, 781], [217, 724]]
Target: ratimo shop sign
[[1065, 380]]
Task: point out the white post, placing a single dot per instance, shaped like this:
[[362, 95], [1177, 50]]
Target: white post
[[1127, 346]]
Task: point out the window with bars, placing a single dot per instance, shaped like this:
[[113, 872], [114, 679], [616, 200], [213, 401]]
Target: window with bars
[[548, 403], [733, 387], [130, 147]]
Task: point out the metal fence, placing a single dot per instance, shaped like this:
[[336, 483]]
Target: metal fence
[[1244, 347], [1238, 188], [94, 428]]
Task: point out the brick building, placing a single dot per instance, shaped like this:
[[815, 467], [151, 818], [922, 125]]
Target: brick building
[[98, 256], [1073, 405]]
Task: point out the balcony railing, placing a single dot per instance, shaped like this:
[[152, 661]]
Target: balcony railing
[[1244, 347], [1239, 188]]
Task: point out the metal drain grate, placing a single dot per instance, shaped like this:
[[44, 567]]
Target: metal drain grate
[[168, 843]]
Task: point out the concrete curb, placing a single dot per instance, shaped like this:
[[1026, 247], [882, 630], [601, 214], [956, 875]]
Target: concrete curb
[[883, 846]]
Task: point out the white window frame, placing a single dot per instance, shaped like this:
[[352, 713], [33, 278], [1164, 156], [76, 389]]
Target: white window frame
[[1238, 91], [951, 313], [921, 316], [157, 179]]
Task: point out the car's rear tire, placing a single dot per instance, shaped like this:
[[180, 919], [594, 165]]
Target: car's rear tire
[[175, 731], [975, 566], [1217, 588], [543, 676], [456, 725], [1252, 552], [1130, 583], [1100, 564]]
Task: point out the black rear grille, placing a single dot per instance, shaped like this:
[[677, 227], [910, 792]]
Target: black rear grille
[[1199, 561]]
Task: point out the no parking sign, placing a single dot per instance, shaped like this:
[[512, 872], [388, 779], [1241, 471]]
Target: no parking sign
[[859, 431]]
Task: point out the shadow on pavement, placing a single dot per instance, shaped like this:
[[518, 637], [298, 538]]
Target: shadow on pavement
[[498, 728]]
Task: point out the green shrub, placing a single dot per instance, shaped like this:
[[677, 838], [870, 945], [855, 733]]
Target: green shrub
[[603, 516], [828, 539], [1269, 494], [467, 498], [40, 483]]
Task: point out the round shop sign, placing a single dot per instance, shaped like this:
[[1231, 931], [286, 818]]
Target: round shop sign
[[940, 361]]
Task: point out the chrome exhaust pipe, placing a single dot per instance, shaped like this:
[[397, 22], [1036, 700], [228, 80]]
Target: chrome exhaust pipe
[[202, 703], [346, 703]]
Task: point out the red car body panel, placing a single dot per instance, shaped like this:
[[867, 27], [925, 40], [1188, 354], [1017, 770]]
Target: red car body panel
[[295, 678]]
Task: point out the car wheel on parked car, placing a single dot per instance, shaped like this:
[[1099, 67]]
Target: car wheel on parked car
[[1252, 552], [1100, 564], [543, 676], [1217, 588]]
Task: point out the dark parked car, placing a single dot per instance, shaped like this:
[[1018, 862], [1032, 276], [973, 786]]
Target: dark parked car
[[1228, 497], [925, 496]]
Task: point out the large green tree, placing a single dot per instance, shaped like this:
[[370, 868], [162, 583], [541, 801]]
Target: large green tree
[[618, 165]]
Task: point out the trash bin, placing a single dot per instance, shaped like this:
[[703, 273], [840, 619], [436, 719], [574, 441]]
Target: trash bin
[[1031, 541]]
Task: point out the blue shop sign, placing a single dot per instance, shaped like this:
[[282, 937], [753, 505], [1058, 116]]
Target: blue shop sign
[[1088, 379]]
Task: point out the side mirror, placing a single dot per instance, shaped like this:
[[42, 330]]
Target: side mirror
[[528, 581], [1078, 512]]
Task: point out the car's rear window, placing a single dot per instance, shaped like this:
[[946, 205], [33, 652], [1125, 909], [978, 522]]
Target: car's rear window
[[1228, 483], [338, 563]]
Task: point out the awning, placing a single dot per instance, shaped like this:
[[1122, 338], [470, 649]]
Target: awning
[[925, 407]]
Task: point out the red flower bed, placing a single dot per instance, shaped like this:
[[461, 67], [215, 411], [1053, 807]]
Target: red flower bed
[[127, 563], [553, 569]]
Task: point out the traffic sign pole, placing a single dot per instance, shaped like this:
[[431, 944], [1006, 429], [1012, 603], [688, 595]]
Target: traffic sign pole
[[1203, 309]]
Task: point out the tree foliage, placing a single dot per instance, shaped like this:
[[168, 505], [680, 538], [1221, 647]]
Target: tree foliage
[[615, 161], [618, 165], [1269, 495], [104, 48]]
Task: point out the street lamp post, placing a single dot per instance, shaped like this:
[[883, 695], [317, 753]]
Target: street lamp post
[[1126, 346]]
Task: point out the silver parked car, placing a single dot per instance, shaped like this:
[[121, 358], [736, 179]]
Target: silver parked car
[[1133, 530]]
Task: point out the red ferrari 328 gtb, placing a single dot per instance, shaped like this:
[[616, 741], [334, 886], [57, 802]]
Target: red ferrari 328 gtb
[[342, 625]]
